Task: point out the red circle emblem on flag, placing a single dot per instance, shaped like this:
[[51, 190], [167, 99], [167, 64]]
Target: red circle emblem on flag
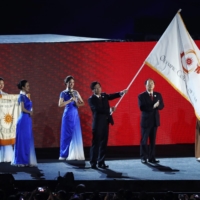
[[189, 61]]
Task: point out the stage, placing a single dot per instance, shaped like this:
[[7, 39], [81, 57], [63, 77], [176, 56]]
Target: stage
[[43, 58], [171, 174]]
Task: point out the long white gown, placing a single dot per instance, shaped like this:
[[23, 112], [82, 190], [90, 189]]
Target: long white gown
[[6, 152]]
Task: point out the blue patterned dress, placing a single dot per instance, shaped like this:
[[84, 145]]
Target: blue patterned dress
[[71, 143], [24, 151]]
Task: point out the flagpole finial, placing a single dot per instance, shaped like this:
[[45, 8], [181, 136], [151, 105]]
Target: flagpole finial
[[179, 10]]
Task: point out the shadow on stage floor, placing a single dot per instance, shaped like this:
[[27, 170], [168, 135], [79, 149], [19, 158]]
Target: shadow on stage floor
[[171, 174]]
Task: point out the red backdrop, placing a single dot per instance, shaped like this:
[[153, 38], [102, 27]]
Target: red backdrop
[[114, 64]]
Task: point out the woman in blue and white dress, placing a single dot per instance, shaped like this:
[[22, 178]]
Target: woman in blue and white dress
[[6, 151], [71, 143], [24, 150]]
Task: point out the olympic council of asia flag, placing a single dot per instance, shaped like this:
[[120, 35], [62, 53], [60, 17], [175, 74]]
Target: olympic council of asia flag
[[177, 59], [9, 113]]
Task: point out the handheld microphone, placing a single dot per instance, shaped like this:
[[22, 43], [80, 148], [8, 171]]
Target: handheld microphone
[[71, 93]]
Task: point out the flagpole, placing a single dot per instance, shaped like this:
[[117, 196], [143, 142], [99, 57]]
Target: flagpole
[[129, 86]]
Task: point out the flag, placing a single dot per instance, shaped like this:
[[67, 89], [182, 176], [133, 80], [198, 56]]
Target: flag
[[9, 113], [177, 59]]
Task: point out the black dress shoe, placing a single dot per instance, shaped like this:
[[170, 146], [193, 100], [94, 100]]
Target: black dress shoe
[[154, 161], [93, 166], [143, 160], [104, 166]]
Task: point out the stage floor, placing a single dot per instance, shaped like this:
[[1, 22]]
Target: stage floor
[[171, 174], [186, 168]]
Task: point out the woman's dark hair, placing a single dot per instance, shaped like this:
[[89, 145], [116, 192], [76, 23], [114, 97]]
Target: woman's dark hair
[[92, 85], [68, 78], [21, 84], [1, 79]]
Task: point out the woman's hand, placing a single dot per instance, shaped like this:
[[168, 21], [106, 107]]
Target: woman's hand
[[31, 113], [73, 99], [79, 103]]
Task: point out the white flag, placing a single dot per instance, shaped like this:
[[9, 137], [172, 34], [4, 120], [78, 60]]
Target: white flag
[[177, 59], [9, 113]]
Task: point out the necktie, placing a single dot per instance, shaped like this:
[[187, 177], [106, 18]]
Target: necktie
[[151, 96]]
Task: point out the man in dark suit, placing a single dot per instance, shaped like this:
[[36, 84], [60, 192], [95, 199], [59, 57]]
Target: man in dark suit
[[150, 103], [101, 113]]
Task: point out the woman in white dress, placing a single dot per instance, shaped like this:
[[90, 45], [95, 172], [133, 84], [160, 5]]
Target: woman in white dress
[[6, 151]]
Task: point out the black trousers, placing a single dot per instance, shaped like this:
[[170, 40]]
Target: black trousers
[[148, 133], [99, 144]]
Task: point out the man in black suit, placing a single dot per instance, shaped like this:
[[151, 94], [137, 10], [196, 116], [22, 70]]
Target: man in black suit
[[150, 103], [101, 113]]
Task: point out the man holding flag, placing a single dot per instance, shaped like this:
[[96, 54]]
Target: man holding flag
[[176, 58]]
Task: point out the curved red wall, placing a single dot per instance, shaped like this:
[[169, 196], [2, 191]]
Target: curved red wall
[[114, 64]]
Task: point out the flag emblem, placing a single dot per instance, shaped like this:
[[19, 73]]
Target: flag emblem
[[190, 62], [8, 118]]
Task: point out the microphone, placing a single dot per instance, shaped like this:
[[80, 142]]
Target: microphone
[[71, 93]]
